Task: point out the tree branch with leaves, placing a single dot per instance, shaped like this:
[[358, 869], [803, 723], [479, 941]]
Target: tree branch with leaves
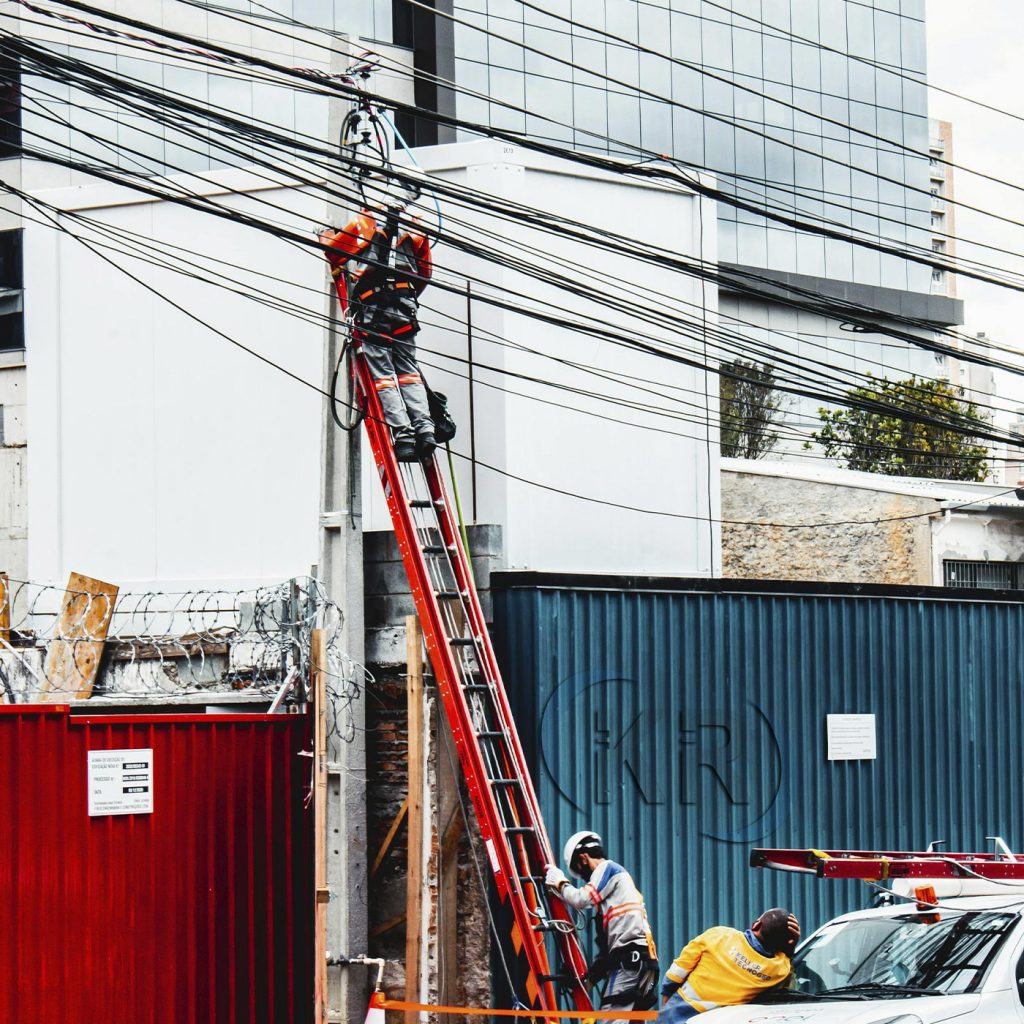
[[749, 409], [902, 438]]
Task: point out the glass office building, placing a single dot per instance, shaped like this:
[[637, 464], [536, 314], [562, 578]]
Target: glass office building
[[787, 101]]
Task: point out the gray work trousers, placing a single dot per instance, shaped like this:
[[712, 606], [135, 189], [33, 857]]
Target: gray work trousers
[[626, 979], [399, 386]]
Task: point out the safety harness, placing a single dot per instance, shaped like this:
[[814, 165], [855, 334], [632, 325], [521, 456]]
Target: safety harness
[[381, 296]]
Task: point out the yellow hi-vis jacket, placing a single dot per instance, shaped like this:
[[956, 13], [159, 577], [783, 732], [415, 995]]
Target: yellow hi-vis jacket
[[721, 968]]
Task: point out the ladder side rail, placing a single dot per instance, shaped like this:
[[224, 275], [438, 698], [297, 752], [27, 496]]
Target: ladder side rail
[[467, 746], [489, 661], [506, 766], [569, 945], [434, 631]]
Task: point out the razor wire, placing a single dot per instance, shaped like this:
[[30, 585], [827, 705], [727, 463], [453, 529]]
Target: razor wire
[[63, 644]]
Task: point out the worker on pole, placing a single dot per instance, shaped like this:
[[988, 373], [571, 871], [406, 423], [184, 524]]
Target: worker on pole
[[386, 259], [727, 967], [627, 960]]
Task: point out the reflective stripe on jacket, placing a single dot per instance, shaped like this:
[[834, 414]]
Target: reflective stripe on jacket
[[721, 968], [613, 894]]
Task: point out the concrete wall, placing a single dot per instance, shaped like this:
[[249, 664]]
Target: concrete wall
[[456, 967], [580, 445], [163, 455], [13, 474], [976, 537], [879, 552]]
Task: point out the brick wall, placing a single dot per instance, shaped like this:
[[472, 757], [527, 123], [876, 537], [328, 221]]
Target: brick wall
[[458, 940]]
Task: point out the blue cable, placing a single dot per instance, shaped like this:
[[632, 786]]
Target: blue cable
[[401, 141]]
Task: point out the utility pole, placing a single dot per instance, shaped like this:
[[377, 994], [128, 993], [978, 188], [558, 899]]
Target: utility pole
[[341, 572]]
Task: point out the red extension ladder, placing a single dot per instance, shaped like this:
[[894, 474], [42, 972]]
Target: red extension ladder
[[474, 699]]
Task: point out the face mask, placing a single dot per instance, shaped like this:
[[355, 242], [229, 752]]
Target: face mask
[[584, 871]]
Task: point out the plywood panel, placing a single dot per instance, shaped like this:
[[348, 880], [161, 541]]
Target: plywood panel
[[73, 657]]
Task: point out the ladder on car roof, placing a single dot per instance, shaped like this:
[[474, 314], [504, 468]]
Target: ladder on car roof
[[881, 865], [474, 699]]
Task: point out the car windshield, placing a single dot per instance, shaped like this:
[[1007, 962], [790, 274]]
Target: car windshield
[[901, 956]]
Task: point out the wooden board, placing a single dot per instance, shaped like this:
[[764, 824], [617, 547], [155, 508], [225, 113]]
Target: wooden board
[[415, 831], [389, 839], [5, 608], [73, 657], [319, 681]]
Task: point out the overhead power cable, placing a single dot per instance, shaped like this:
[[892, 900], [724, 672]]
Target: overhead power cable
[[33, 202], [675, 173], [898, 71], [817, 305], [734, 177], [143, 250], [702, 70], [707, 114]]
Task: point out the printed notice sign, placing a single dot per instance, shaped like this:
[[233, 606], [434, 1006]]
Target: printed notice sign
[[120, 782], [851, 737]]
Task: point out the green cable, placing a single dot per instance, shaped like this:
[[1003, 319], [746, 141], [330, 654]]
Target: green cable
[[458, 509]]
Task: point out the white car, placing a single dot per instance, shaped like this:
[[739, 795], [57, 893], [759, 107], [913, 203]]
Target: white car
[[899, 965]]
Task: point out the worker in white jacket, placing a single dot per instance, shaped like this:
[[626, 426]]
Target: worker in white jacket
[[627, 957]]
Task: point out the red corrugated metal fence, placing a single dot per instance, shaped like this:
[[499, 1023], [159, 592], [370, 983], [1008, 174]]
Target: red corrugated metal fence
[[198, 912]]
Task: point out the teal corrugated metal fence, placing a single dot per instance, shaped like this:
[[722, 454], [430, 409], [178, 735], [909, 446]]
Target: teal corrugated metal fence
[[688, 727]]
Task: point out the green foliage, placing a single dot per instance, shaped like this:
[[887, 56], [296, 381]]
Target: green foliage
[[749, 409], [878, 434]]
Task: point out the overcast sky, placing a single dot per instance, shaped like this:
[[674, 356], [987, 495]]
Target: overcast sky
[[974, 48]]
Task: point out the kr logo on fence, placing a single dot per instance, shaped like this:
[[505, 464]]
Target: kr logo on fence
[[720, 765]]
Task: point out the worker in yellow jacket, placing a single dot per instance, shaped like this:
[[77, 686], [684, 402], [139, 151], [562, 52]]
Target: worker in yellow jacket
[[726, 967]]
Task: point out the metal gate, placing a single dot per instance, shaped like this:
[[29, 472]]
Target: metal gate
[[199, 910]]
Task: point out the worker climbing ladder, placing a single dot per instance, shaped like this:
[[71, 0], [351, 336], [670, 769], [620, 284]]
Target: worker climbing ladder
[[473, 696], [441, 580]]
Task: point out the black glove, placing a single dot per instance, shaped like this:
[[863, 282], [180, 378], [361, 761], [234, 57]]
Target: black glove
[[598, 970]]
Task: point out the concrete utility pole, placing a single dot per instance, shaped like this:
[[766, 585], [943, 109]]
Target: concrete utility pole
[[341, 571]]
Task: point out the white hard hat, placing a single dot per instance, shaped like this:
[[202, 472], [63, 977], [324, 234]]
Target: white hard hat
[[580, 842]]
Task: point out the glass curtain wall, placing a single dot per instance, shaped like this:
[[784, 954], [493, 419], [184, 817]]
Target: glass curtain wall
[[817, 105]]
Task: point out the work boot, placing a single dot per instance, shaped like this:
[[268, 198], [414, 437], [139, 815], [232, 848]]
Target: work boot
[[425, 445], [406, 449]]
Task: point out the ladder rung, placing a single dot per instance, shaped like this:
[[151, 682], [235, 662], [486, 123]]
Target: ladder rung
[[433, 549], [531, 878], [447, 595], [520, 830], [504, 782], [421, 503], [462, 641], [490, 734], [476, 688]]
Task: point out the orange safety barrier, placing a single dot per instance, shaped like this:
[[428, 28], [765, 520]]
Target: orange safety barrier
[[477, 1011]]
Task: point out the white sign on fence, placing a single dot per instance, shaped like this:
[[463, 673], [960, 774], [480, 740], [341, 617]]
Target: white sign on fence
[[851, 737], [120, 782]]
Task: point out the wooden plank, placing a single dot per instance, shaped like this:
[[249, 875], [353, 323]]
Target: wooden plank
[[5, 608], [73, 657], [6, 695], [319, 687], [417, 776], [385, 846], [386, 926], [448, 911]]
